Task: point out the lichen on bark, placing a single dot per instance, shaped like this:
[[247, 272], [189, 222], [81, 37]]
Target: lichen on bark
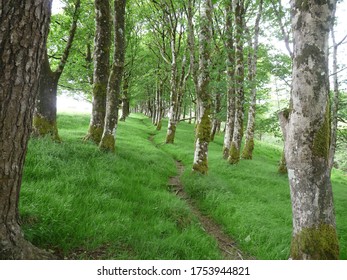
[[234, 154], [247, 152], [321, 140]]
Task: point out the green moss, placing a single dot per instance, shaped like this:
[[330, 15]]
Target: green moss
[[159, 125], [248, 149], [107, 143], [234, 155], [282, 167], [94, 134], [43, 127], [170, 137], [99, 89], [318, 243], [203, 133], [321, 140]]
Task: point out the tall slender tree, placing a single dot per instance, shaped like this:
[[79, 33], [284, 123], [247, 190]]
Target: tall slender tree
[[24, 28], [247, 152], [235, 149], [203, 131], [102, 45], [307, 134], [107, 142]]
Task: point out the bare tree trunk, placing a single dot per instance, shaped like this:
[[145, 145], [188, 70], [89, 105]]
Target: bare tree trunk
[[24, 28], [217, 108], [202, 139], [247, 152], [229, 125], [107, 142], [45, 116], [125, 99], [234, 155], [102, 44], [308, 134]]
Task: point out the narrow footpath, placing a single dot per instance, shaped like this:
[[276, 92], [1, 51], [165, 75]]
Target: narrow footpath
[[226, 245]]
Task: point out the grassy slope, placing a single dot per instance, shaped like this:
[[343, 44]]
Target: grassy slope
[[75, 197], [250, 200]]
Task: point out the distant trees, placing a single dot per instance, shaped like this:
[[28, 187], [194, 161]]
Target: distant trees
[[24, 28], [306, 128]]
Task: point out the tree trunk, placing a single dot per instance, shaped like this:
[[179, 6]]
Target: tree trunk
[[45, 116], [203, 131], [234, 154], [308, 134], [24, 27], [107, 142], [102, 42], [125, 99], [229, 125], [247, 152], [335, 103]]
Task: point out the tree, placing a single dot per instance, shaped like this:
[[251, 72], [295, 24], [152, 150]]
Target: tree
[[24, 28], [203, 130], [252, 72], [107, 142], [102, 44], [235, 149], [307, 134], [45, 116]]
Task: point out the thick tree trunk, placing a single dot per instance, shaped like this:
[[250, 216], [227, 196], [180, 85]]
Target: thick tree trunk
[[203, 131], [107, 142], [45, 118], [247, 152], [229, 125], [308, 134], [24, 28], [102, 42], [234, 155], [45, 115]]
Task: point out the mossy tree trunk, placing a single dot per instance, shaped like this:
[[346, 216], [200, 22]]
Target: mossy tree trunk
[[125, 98], [234, 154], [247, 152], [308, 134], [45, 116], [203, 130], [102, 44], [229, 125], [24, 28], [107, 142]]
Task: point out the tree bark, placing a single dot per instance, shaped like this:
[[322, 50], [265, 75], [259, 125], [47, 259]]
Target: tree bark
[[24, 28], [203, 131], [308, 134], [45, 116], [126, 98], [107, 142], [102, 42], [234, 154], [229, 126], [247, 152]]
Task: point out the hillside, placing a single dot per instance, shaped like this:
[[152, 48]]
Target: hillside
[[85, 204]]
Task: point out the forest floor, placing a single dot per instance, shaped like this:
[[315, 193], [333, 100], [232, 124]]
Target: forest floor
[[143, 202]]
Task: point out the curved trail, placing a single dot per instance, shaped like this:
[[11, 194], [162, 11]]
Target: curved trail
[[226, 245]]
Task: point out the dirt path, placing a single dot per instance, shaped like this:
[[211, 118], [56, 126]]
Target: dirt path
[[226, 245]]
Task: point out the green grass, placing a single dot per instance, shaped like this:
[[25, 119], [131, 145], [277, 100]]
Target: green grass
[[78, 200], [88, 204], [251, 201]]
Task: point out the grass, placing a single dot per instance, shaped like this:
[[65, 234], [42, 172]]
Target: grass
[[86, 204], [251, 201]]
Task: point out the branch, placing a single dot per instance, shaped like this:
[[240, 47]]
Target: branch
[[72, 33]]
